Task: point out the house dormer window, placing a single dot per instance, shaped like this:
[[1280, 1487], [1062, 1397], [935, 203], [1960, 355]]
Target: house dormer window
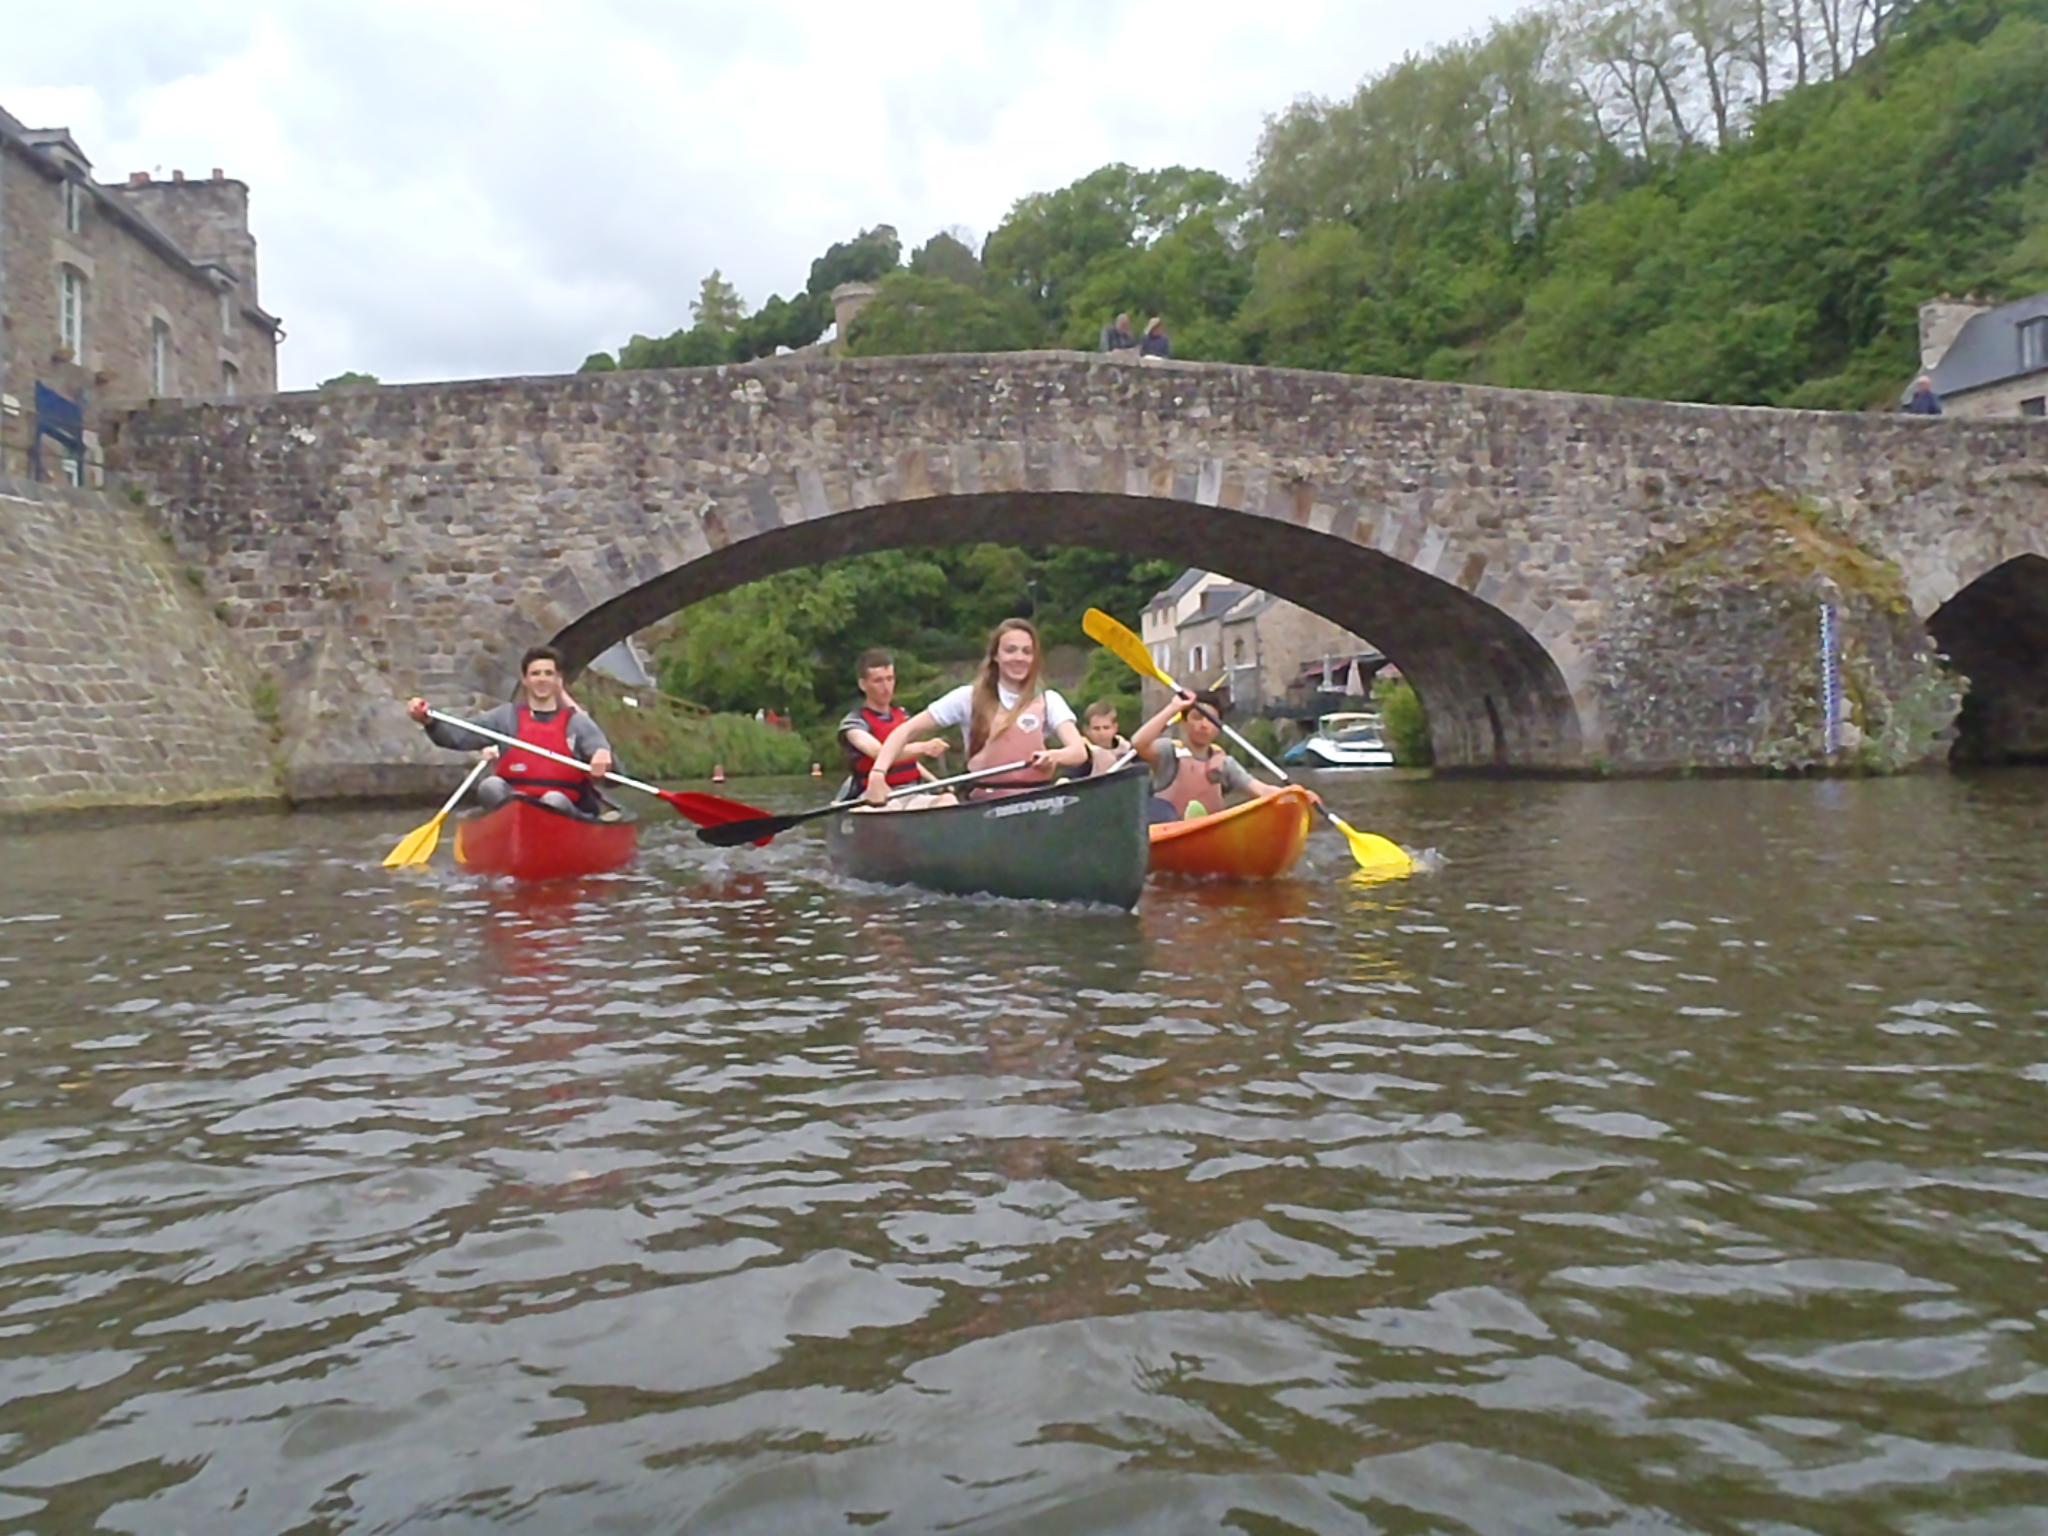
[[74, 207], [2034, 344]]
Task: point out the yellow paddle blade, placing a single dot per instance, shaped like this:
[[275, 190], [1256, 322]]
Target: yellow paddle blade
[[1373, 852], [418, 845], [1127, 647]]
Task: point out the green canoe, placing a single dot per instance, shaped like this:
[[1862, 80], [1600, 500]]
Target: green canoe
[[1078, 841]]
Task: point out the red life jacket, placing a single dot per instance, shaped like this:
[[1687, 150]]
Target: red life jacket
[[1195, 778], [882, 725], [1024, 735], [532, 775]]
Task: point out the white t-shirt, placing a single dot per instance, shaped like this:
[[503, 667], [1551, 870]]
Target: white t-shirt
[[956, 709]]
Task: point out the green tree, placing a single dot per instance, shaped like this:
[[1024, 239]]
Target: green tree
[[950, 258], [867, 258], [717, 307], [343, 380], [914, 315]]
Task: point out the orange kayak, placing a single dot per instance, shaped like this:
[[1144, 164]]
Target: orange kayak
[[1259, 840]]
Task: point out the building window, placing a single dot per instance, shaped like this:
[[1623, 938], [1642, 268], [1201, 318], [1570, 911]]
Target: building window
[[74, 207], [230, 380], [1198, 659], [159, 358], [2038, 406], [71, 312], [2034, 344], [227, 315]]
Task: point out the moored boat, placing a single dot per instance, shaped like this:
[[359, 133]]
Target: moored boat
[[1356, 740], [1259, 840], [1078, 841], [529, 841]]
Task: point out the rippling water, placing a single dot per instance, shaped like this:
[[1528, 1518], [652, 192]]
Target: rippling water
[[1672, 1159]]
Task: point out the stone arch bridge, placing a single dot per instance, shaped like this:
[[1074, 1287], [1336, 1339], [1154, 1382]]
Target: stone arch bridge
[[1572, 582]]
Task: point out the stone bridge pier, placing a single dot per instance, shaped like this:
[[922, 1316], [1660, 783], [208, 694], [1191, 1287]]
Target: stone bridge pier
[[1572, 583]]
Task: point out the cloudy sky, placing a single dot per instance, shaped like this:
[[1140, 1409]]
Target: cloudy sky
[[462, 188]]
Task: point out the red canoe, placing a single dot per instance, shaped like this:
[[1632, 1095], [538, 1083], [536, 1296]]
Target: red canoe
[[1259, 840], [530, 841]]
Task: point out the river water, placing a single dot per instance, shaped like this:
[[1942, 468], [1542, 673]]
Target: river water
[[1672, 1158]]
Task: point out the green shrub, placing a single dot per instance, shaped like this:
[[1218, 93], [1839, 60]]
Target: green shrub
[[659, 737], [1407, 723]]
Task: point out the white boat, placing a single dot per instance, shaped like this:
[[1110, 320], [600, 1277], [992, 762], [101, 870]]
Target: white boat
[[1346, 741]]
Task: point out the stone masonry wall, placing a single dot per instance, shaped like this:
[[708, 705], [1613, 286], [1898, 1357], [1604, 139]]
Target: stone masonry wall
[[119, 687], [370, 543]]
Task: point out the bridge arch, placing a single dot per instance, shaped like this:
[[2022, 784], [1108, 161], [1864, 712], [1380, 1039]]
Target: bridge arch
[[1496, 695]]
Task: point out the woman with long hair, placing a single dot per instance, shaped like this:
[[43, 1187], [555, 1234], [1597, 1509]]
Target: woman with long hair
[[1006, 715]]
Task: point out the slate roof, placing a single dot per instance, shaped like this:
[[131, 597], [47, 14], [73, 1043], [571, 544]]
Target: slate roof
[[1987, 349]]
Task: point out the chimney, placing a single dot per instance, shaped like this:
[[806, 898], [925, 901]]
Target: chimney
[[1941, 321], [177, 175], [219, 174], [138, 178]]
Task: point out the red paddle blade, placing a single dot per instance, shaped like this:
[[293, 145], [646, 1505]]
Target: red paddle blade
[[709, 810]]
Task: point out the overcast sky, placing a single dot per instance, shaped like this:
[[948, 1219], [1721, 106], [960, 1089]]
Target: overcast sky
[[462, 188]]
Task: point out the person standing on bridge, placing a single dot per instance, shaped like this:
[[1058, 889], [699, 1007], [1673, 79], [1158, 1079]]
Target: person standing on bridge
[[1117, 337], [1155, 343], [544, 715]]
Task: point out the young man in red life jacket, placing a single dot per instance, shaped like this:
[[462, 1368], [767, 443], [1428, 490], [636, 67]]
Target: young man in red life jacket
[[873, 721], [1192, 776], [544, 715]]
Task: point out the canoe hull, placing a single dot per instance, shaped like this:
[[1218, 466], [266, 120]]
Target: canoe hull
[[1082, 841], [1260, 840], [523, 840]]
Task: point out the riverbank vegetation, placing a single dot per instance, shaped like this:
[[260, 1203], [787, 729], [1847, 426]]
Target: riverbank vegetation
[[1738, 203]]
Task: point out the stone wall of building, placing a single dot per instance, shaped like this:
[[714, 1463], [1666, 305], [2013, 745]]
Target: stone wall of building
[[119, 687], [138, 279], [2026, 395], [1500, 546]]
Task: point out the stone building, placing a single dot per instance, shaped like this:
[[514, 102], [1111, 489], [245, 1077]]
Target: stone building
[[116, 293], [1207, 631], [1986, 360]]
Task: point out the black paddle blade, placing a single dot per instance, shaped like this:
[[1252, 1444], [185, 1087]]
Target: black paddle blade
[[758, 831]]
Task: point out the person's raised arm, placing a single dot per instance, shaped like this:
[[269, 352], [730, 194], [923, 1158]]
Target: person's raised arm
[[1145, 739]]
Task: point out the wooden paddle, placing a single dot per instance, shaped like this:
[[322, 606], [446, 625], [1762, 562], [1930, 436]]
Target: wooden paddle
[[1373, 852], [758, 832], [418, 845], [705, 810]]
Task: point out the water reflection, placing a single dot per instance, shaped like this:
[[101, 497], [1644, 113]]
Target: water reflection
[[1663, 1162]]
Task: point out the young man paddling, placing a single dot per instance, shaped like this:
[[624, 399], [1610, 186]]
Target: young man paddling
[[544, 716], [1192, 776], [873, 721]]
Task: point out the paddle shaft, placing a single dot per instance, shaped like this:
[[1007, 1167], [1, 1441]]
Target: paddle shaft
[[736, 832], [453, 800], [526, 746]]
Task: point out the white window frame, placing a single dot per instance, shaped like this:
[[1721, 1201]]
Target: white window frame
[[74, 207], [159, 356], [71, 298], [230, 379], [2033, 344]]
